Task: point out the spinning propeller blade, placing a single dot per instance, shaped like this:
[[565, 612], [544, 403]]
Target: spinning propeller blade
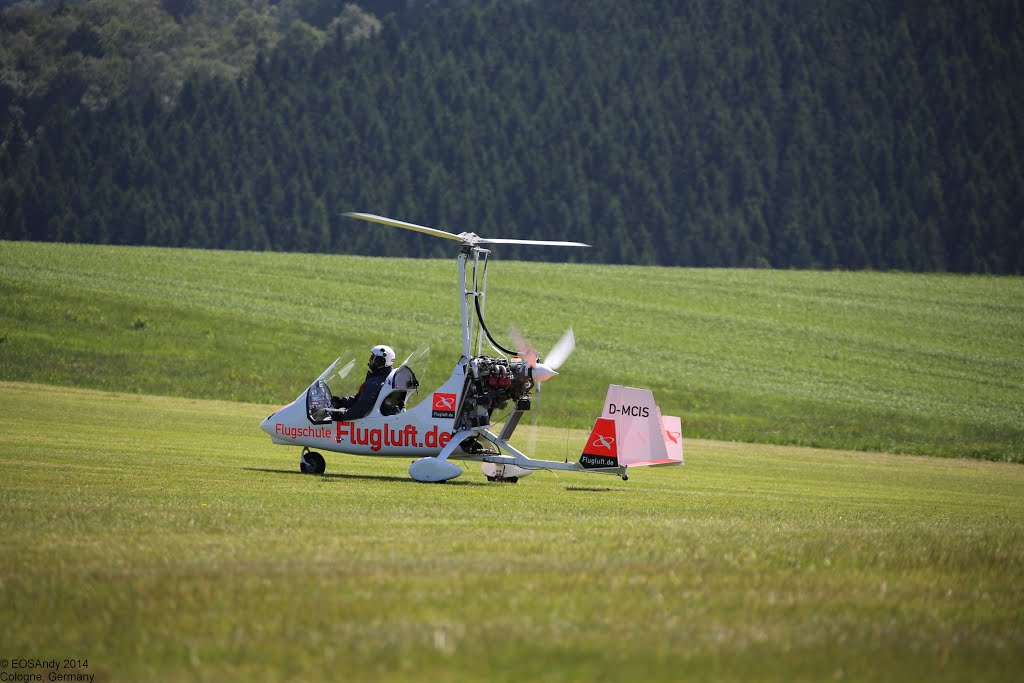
[[529, 353], [559, 353], [562, 350]]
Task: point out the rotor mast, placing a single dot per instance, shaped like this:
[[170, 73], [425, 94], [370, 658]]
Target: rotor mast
[[465, 294], [473, 293], [470, 248]]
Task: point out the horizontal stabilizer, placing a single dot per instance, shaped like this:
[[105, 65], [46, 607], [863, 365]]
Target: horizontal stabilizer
[[632, 432]]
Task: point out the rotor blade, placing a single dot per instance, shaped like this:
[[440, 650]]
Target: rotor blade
[[384, 220], [465, 237], [537, 243], [561, 350]]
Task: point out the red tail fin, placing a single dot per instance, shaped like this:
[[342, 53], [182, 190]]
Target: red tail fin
[[632, 432], [601, 449]]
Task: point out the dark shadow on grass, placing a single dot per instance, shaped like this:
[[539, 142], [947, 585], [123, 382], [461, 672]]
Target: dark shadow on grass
[[594, 489], [371, 477]]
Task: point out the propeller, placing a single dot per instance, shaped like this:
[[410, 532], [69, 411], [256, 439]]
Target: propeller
[[540, 372], [547, 369]]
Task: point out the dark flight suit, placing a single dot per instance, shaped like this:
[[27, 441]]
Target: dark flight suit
[[357, 406]]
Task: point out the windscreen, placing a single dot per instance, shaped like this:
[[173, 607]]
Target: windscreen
[[417, 361], [332, 382]]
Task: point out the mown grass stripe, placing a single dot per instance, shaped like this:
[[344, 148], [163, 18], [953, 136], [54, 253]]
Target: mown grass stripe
[[926, 364], [166, 539]]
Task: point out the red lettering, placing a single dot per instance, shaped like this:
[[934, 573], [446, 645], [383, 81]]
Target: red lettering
[[304, 432], [374, 438], [435, 440]]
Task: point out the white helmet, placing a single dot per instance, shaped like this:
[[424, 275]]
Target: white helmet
[[381, 357]]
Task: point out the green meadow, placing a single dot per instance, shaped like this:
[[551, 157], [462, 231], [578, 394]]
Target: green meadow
[[889, 362], [166, 539], [149, 529]]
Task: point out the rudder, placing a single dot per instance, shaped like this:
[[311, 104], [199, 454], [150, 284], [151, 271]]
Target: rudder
[[632, 432]]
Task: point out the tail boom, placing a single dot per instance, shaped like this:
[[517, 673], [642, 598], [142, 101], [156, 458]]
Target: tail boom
[[631, 432]]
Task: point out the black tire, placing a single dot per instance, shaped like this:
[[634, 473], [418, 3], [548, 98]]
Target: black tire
[[510, 480], [312, 463]]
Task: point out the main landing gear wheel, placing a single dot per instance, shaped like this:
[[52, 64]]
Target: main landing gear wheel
[[510, 480], [503, 474], [312, 462]]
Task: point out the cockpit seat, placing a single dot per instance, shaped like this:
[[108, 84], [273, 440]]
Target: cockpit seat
[[402, 382]]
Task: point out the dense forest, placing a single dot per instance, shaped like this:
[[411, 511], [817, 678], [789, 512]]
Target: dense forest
[[807, 134]]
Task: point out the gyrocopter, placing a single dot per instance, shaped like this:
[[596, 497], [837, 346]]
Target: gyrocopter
[[455, 424]]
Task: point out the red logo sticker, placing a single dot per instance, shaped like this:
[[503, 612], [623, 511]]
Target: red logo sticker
[[444, 405], [602, 439], [601, 449]]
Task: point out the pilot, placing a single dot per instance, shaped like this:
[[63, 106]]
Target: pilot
[[382, 359]]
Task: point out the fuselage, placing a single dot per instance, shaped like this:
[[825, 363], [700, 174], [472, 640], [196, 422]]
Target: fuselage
[[420, 431]]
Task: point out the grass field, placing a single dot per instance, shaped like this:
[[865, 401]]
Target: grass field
[[157, 534], [925, 364], [166, 539]]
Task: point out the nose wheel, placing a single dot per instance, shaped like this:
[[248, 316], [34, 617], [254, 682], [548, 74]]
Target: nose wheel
[[311, 462]]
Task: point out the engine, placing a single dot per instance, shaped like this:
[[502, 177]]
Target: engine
[[490, 384]]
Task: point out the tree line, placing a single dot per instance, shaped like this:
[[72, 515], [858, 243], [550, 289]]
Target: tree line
[[800, 134]]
